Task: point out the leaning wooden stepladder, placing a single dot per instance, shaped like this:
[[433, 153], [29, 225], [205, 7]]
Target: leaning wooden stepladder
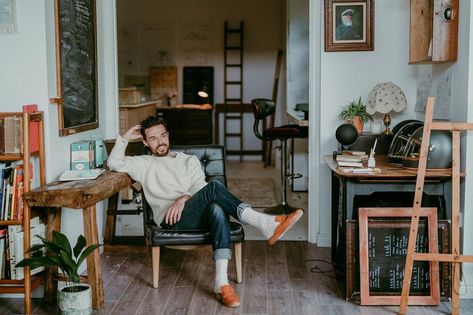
[[454, 258]]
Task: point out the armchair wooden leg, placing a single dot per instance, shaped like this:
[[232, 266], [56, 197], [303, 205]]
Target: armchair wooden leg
[[237, 249], [155, 265]]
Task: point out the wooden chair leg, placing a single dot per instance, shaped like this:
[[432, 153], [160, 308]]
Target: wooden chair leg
[[155, 265], [237, 249]]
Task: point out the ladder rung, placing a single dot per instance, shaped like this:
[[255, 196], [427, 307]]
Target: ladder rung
[[232, 100], [232, 47], [234, 30], [232, 134], [234, 65], [233, 82], [233, 117], [443, 257]]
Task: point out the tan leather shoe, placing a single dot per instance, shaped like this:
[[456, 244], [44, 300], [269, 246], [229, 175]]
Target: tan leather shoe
[[228, 296], [286, 223]]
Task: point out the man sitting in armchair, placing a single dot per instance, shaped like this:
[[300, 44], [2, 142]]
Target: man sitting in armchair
[[175, 188]]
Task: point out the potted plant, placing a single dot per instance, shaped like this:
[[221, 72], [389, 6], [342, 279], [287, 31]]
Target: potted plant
[[356, 114], [75, 297]]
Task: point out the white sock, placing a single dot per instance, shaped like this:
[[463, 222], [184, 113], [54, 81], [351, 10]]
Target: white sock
[[221, 278], [264, 222]]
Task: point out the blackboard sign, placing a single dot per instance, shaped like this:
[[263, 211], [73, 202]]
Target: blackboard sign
[[383, 242], [76, 65], [389, 229]]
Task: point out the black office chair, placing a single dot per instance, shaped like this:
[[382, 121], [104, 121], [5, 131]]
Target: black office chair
[[263, 108]]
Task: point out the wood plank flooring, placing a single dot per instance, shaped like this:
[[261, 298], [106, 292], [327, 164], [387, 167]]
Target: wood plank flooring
[[276, 280]]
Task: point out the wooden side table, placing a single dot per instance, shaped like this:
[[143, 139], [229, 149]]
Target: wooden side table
[[84, 195]]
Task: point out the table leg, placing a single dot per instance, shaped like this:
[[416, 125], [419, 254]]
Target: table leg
[[94, 269], [54, 224], [110, 224]]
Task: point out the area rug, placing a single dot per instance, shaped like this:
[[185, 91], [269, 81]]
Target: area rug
[[259, 192]]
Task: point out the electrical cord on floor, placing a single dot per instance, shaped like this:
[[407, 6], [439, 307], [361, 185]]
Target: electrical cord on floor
[[326, 273]]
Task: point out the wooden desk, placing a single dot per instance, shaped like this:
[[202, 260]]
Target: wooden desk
[[84, 195], [392, 178]]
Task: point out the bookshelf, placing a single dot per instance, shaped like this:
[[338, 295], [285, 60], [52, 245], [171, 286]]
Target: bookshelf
[[29, 283]]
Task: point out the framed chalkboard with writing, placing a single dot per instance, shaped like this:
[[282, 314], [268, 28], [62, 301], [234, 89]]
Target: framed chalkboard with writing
[[382, 253], [387, 229], [76, 61]]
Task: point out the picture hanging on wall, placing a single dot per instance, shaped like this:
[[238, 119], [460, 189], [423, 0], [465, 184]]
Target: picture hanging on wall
[[349, 25]]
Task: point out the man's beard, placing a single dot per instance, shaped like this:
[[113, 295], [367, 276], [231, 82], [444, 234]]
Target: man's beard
[[157, 152], [347, 22]]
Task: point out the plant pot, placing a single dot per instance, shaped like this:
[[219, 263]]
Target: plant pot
[[77, 303], [358, 124]]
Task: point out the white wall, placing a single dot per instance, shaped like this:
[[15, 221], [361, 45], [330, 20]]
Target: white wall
[[345, 76], [162, 25], [27, 63], [297, 59]]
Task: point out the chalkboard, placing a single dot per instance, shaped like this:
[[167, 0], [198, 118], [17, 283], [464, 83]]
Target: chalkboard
[[382, 254], [76, 65]]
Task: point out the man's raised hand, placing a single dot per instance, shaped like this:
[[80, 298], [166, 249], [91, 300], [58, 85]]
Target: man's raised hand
[[133, 133]]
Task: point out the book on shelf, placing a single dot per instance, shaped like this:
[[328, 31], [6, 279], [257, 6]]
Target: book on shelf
[[12, 190], [12, 133], [2, 135], [16, 252], [3, 237]]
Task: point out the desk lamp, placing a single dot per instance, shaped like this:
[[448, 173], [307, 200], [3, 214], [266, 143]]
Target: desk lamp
[[204, 95], [384, 98], [346, 135]]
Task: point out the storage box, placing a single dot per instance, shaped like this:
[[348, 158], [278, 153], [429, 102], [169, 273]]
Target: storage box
[[130, 95], [83, 155]]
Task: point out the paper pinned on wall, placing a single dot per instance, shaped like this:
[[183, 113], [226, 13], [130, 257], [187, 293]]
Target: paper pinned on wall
[[7, 17], [435, 80]]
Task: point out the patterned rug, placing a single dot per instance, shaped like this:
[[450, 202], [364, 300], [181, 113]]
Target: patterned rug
[[259, 192]]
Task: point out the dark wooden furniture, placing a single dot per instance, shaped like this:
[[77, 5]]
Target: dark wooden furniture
[[28, 284], [84, 195], [391, 178], [212, 158], [187, 126]]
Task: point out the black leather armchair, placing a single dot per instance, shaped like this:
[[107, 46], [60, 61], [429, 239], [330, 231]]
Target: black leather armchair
[[212, 158]]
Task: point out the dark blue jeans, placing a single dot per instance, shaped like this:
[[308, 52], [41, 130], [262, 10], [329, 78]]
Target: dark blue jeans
[[210, 209]]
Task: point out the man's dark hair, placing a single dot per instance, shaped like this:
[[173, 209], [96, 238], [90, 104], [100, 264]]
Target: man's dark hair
[[152, 121]]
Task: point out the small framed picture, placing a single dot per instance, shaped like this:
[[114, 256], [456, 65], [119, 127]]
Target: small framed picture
[[349, 25]]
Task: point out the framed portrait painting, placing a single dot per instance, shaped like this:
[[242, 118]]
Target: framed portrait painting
[[349, 25]]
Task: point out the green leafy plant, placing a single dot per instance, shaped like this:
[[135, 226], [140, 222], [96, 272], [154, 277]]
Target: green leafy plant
[[68, 259], [355, 108]]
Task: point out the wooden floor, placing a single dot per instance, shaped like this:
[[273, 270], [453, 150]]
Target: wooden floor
[[276, 280]]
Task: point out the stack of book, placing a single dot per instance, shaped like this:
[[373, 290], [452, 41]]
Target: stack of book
[[351, 160], [11, 248]]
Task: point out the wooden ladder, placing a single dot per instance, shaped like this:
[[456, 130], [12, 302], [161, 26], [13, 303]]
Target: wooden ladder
[[455, 258], [233, 85]]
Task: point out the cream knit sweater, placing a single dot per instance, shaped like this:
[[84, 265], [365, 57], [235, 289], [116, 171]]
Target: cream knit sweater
[[163, 179]]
